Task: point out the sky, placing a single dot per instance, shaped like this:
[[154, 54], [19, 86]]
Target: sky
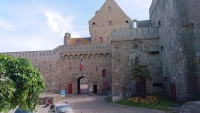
[[37, 25]]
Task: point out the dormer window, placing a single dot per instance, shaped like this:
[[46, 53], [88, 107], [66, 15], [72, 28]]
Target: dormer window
[[109, 8], [78, 42]]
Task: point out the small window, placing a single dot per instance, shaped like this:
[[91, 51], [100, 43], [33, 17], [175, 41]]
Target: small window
[[101, 39], [110, 22], [104, 73], [109, 8], [159, 23], [188, 26], [93, 23], [162, 47], [78, 42], [127, 21]]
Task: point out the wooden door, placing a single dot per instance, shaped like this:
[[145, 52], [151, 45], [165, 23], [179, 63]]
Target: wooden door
[[173, 91], [70, 88]]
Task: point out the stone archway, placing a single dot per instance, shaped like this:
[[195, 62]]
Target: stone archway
[[82, 85]]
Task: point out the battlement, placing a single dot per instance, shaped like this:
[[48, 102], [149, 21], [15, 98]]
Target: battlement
[[152, 7], [58, 50], [133, 34]]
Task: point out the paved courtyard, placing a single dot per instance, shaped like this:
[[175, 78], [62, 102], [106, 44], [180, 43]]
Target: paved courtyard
[[96, 104]]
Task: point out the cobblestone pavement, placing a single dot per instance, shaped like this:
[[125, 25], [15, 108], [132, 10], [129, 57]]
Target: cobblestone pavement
[[96, 104]]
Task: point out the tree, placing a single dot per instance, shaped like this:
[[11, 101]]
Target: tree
[[20, 83], [140, 74]]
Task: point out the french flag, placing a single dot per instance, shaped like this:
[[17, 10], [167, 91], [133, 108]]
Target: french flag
[[81, 64]]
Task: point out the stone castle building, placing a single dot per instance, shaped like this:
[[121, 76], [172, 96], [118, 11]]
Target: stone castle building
[[169, 43]]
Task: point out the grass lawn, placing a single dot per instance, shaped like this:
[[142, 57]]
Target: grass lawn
[[162, 104]]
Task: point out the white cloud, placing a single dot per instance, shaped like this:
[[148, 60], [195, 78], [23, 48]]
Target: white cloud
[[58, 23], [6, 25]]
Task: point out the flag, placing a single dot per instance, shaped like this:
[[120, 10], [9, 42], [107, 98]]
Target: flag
[[81, 64]]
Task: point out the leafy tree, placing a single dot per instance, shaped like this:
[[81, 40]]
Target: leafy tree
[[20, 83], [140, 74]]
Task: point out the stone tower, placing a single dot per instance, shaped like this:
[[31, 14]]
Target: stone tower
[[110, 16]]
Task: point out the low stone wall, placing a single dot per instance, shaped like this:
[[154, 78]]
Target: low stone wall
[[53, 98]]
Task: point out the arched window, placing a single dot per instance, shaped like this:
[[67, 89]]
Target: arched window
[[104, 73]]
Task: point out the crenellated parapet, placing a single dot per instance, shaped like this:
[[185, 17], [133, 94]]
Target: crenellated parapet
[[63, 49], [144, 33]]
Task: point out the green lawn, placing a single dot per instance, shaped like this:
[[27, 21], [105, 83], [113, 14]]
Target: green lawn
[[162, 104]]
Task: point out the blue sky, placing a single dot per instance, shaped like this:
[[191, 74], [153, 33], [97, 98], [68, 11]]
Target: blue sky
[[32, 25]]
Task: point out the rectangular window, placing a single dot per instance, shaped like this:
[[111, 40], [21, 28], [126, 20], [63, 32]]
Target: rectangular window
[[109, 8], [101, 39], [78, 42], [110, 22], [104, 73]]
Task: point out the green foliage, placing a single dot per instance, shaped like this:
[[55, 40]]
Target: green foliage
[[163, 103], [140, 72], [20, 83]]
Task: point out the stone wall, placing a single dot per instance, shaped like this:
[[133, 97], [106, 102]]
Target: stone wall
[[179, 46], [60, 66], [134, 34], [110, 16], [125, 54]]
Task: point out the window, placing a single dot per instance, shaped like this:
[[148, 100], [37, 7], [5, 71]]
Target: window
[[78, 42], [188, 26], [93, 23], [104, 73], [127, 21], [109, 8], [110, 22], [101, 39]]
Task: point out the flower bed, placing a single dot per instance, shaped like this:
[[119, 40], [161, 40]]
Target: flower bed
[[147, 100]]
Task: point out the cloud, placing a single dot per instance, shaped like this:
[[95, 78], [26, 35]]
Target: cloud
[[6, 25], [58, 23]]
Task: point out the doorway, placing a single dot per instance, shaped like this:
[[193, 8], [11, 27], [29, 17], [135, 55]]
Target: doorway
[[82, 85], [95, 88], [70, 88]]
